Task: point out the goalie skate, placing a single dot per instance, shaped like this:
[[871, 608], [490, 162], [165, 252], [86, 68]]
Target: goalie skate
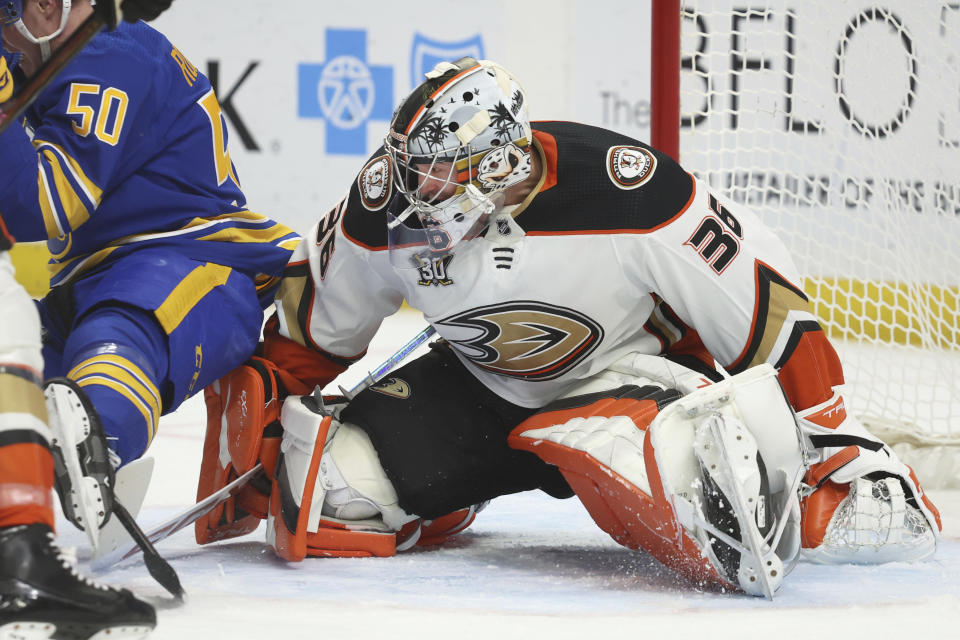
[[740, 497], [734, 499]]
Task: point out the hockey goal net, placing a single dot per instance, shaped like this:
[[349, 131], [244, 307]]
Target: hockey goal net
[[838, 122]]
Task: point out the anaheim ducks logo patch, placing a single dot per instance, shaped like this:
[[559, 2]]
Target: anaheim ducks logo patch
[[526, 340], [393, 387], [6, 81], [375, 183], [630, 167]]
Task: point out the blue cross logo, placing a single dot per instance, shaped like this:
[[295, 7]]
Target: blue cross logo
[[345, 91]]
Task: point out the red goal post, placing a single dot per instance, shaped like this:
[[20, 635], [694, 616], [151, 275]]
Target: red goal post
[[838, 123]]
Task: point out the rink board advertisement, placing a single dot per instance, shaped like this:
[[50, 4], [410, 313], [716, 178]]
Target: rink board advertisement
[[308, 92], [838, 122]]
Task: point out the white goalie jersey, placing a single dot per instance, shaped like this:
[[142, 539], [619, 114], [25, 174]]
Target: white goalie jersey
[[617, 251]]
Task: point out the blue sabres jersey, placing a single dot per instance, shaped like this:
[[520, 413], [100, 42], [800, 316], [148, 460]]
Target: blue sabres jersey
[[129, 149]]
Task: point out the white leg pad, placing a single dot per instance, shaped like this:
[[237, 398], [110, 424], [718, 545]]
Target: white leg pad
[[355, 483], [350, 484]]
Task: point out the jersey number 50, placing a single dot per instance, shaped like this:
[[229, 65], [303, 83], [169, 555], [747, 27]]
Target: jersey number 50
[[109, 117]]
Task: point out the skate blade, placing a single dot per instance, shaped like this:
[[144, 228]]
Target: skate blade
[[35, 630]]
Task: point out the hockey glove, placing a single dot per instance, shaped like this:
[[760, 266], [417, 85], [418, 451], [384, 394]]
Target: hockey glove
[[864, 505]]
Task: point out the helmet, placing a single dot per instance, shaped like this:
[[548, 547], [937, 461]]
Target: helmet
[[11, 13], [456, 143]]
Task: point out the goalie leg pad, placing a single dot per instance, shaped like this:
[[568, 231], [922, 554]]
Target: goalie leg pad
[[638, 460], [84, 466], [440, 530], [315, 506], [602, 448], [243, 427]]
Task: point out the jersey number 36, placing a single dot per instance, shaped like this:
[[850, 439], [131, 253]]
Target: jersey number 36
[[717, 238]]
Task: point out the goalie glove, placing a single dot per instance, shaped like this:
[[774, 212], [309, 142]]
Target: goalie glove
[[863, 505]]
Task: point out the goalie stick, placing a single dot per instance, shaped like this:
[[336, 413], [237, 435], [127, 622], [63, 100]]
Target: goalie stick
[[12, 109], [178, 522], [205, 506], [387, 365]]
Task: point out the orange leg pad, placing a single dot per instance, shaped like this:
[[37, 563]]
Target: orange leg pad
[[445, 527], [629, 515], [244, 401], [332, 540]]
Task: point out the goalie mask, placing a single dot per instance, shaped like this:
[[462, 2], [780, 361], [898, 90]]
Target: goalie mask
[[456, 143], [11, 14]]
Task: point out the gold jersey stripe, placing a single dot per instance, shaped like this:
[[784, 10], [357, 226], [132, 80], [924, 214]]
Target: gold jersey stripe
[[86, 262], [659, 320], [289, 299], [123, 371], [47, 207], [93, 192], [189, 292], [149, 419], [73, 206], [245, 214], [264, 282], [782, 302], [235, 234], [18, 395], [196, 224]]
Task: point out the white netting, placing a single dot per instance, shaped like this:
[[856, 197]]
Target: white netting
[[875, 524], [838, 122]]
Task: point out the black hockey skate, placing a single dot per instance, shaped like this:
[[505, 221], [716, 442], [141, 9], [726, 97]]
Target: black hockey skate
[[42, 596]]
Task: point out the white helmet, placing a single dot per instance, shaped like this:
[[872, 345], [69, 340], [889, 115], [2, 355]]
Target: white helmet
[[456, 143]]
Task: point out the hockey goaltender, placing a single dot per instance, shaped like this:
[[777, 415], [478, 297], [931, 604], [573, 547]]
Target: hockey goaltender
[[585, 287]]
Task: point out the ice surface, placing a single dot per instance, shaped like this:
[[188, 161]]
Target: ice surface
[[529, 567]]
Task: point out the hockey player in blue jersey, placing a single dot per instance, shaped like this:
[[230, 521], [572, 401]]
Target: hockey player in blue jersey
[[159, 271]]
